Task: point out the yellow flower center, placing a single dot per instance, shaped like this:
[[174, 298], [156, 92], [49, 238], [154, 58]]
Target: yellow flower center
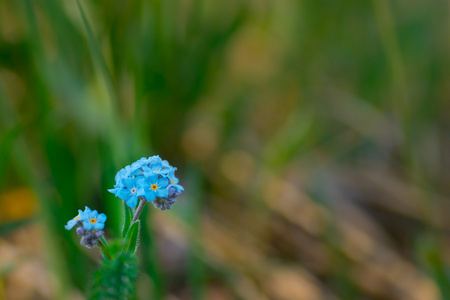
[[154, 187], [93, 221], [76, 218], [173, 182]]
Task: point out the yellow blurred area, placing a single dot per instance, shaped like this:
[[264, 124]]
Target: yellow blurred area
[[17, 204]]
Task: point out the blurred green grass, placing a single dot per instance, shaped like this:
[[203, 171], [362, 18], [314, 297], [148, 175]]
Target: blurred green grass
[[310, 137]]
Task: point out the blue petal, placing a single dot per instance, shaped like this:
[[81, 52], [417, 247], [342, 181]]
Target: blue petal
[[155, 159], [174, 180], [124, 194], [136, 164], [121, 174], [84, 214], [144, 185], [140, 192], [70, 224], [156, 167], [114, 191], [137, 172], [99, 225], [87, 225], [143, 160], [132, 201], [128, 183], [163, 182], [150, 195], [101, 218], [164, 171], [162, 193], [152, 178], [166, 165]]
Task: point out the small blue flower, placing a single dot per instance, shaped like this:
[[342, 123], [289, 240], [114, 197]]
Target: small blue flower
[[155, 187], [158, 166], [94, 220], [137, 168], [121, 174], [174, 181], [152, 178], [79, 218], [154, 159], [131, 190]]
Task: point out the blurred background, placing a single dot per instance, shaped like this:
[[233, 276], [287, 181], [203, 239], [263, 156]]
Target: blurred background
[[310, 136]]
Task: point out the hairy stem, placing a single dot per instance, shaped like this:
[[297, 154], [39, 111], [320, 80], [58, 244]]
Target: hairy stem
[[102, 245], [139, 210]]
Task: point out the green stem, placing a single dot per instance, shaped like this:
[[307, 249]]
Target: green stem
[[103, 247], [103, 240]]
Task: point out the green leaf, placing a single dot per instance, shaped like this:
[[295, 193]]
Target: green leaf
[[131, 241], [96, 52], [113, 249], [115, 279], [127, 221], [104, 241]]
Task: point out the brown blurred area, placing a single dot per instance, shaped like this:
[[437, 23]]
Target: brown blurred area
[[22, 264]]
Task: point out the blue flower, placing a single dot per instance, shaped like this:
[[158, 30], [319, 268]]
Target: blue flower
[[130, 190], [152, 178], [174, 181], [121, 174], [79, 218], [138, 167], [158, 166], [94, 220], [155, 187]]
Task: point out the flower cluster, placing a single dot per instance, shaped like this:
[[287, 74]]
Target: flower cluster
[[148, 180], [152, 179], [91, 225]]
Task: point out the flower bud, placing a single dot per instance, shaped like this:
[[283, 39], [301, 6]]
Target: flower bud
[[163, 203]]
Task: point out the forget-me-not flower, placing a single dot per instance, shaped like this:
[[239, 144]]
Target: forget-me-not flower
[[94, 220], [152, 179], [155, 187], [131, 190], [78, 218], [173, 181]]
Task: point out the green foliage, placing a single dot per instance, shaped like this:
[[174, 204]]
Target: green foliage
[[131, 241], [115, 278], [113, 249], [117, 274], [127, 221]]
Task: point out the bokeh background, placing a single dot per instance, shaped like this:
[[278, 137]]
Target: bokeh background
[[312, 139]]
